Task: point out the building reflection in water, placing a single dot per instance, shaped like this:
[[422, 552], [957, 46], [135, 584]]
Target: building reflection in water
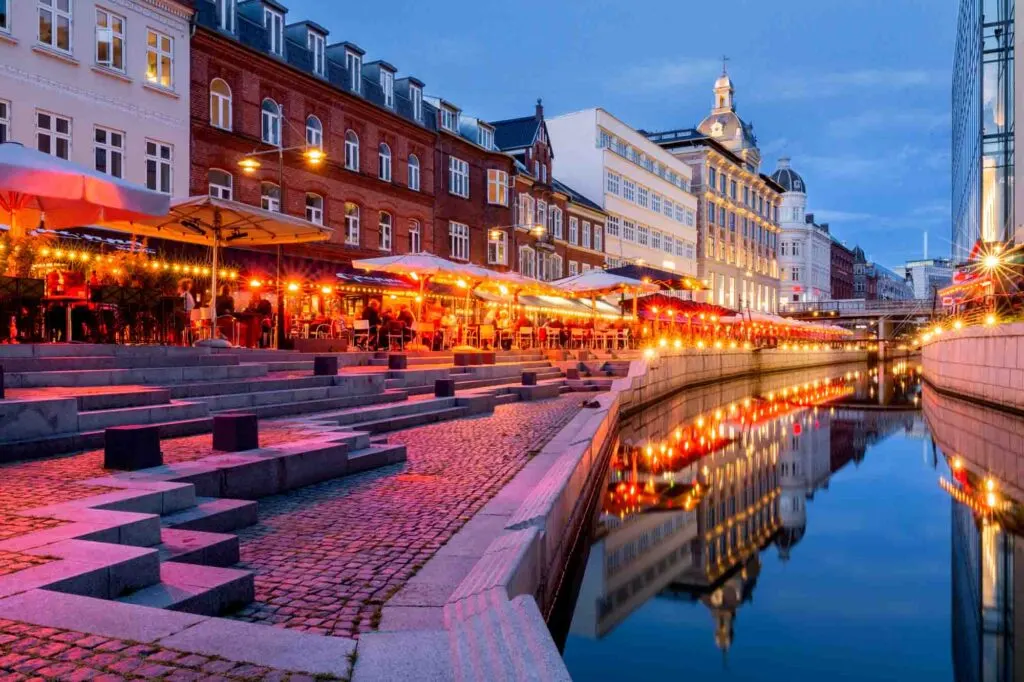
[[698, 489]]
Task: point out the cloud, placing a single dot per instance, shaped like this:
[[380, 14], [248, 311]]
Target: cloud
[[667, 75], [874, 120], [890, 168], [827, 215], [830, 84]]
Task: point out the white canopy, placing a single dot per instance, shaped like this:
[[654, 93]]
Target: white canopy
[[598, 282]]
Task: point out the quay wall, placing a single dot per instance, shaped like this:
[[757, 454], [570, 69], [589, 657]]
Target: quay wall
[[984, 364]]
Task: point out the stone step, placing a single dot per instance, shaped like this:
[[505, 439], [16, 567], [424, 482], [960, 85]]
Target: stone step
[[289, 365], [98, 420], [325, 404], [214, 515], [374, 456], [505, 398], [212, 388], [409, 421], [198, 547], [145, 375], [374, 413], [133, 397], [61, 364], [463, 384], [202, 590]]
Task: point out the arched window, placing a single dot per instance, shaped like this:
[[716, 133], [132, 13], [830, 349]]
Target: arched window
[[414, 173], [314, 208], [351, 224], [221, 183], [270, 196], [314, 132], [220, 104], [415, 237], [271, 122], [384, 243], [351, 150], [554, 268], [384, 157], [527, 262]]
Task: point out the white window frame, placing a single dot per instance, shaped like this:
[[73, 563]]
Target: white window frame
[[351, 150], [52, 135], [317, 44], [628, 230], [273, 21], [385, 230], [527, 262], [497, 247], [574, 268], [643, 196], [416, 96], [613, 226], [643, 235], [458, 177], [226, 10], [414, 173], [541, 217], [449, 119], [656, 202], [555, 219], [497, 187], [108, 149], [219, 190], [5, 120], [486, 138], [628, 190], [314, 210], [387, 85], [109, 36], [598, 237], [585, 235], [458, 241], [352, 212], [613, 182], [163, 165], [269, 202], [415, 237], [384, 162], [574, 230], [554, 268], [222, 105], [354, 67], [162, 57], [56, 14], [314, 132], [5, 27], [270, 122], [656, 240]]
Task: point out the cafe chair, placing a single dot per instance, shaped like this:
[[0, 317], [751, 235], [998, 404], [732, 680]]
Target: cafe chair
[[229, 323], [361, 333], [525, 335], [487, 335], [396, 330]]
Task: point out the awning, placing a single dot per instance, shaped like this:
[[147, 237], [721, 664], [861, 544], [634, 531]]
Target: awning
[[372, 278], [667, 278]]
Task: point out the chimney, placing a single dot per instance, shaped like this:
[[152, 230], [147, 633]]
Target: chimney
[[824, 226], [809, 218], [539, 114]]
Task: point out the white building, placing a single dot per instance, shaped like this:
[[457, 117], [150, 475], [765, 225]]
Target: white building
[[104, 85], [805, 248], [652, 216], [928, 275]]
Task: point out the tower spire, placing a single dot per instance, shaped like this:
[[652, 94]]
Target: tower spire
[[725, 70]]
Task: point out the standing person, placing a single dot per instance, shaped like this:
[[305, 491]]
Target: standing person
[[225, 302], [371, 313], [185, 318], [408, 321]]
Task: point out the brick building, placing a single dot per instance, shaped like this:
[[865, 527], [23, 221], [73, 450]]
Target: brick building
[[556, 231], [841, 272], [260, 84]]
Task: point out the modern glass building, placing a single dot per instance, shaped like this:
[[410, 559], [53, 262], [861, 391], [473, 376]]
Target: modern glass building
[[983, 125]]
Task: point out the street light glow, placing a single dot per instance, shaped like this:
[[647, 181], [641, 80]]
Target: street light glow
[[249, 165]]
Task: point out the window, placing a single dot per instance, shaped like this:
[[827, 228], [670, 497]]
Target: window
[[220, 104], [221, 184], [656, 240], [226, 15], [351, 224], [414, 173], [655, 202], [270, 196], [54, 24], [721, 182], [450, 119], [384, 231], [796, 248], [574, 230], [5, 120], [721, 216], [314, 132], [795, 274], [458, 177], [314, 208], [542, 214], [732, 190], [613, 182], [711, 212], [587, 267], [497, 187], [415, 237], [643, 197], [354, 67], [555, 222], [497, 247], [691, 217], [416, 96], [668, 244], [746, 195], [274, 23], [711, 177], [486, 138], [527, 262], [628, 230], [387, 84], [574, 268], [109, 148], [351, 150], [53, 134], [643, 235], [525, 211], [613, 226], [271, 117], [159, 59], [586, 235], [554, 268], [458, 241], [598, 238], [628, 190], [109, 39], [5, 16], [384, 162]]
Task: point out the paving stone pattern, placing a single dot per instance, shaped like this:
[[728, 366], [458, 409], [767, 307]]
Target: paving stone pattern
[[29, 652], [12, 562], [328, 556]]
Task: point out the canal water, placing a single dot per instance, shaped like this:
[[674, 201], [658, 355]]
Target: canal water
[[805, 526]]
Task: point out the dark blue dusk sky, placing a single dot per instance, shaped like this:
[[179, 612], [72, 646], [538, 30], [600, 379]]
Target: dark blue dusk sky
[[857, 92]]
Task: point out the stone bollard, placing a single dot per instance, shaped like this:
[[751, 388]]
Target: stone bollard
[[461, 359], [236, 432], [398, 361], [444, 388], [529, 378], [476, 358], [130, 448], [488, 357], [325, 365], [572, 373]]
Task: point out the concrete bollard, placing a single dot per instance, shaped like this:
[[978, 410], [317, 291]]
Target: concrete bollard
[[236, 432], [572, 373], [488, 357], [130, 448], [325, 365], [398, 361], [476, 358], [529, 378], [461, 359], [444, 388]]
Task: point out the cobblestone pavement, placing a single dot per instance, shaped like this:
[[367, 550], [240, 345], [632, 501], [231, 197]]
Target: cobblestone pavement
[[28, 652], [12, 562], [328, 556]]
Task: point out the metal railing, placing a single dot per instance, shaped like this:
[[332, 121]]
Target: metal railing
[[860, 305]]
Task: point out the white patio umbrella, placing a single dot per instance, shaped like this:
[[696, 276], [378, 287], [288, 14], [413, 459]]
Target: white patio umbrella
[[38, 188], [220, 222], [594, 283]]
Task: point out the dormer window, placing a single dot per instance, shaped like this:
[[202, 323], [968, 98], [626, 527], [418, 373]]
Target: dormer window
[[486, 138], [416, 96], [273, 21], [226, 15], [450, 119], [387, 84], [354, 67], [318, 46]]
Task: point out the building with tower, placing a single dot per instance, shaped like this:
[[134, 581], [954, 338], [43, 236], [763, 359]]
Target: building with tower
[[805, 248], [738, 216]]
